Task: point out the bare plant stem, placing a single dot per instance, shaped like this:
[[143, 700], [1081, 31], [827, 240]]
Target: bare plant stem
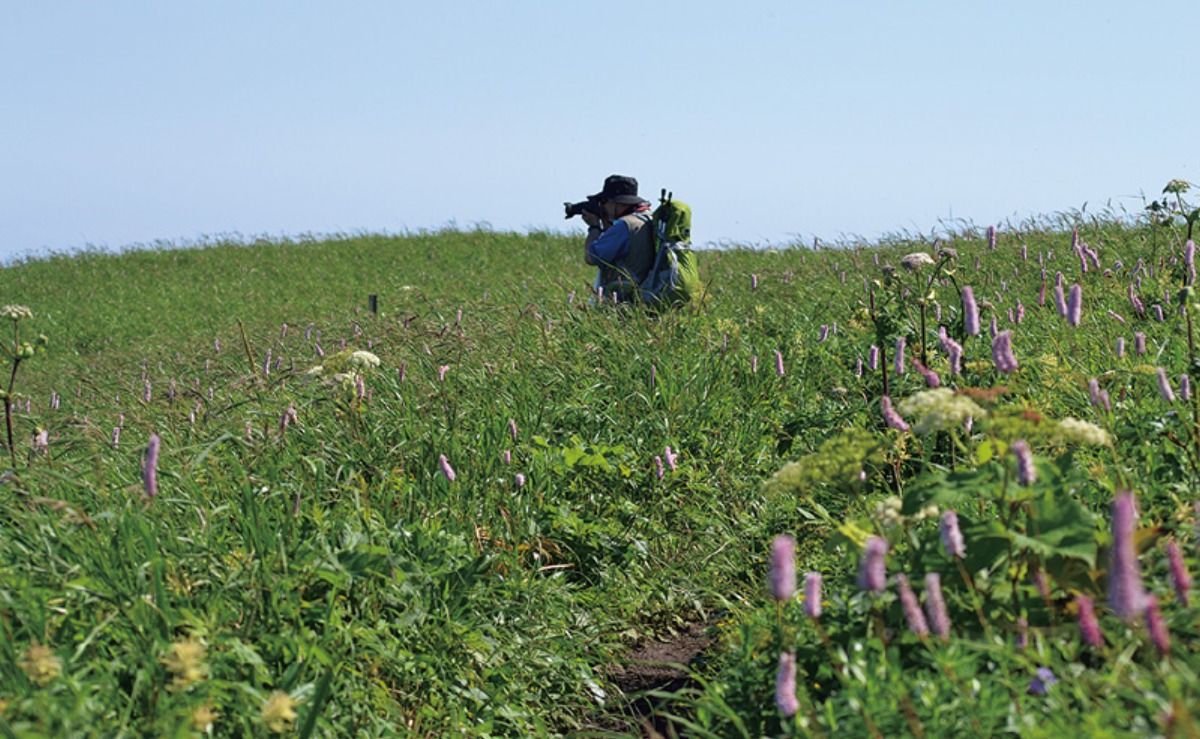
[[12, 381]]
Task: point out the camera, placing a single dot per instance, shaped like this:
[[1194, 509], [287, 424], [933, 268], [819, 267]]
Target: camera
[[591, 205]]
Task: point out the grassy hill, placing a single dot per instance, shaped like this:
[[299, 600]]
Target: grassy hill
[[468, 536]]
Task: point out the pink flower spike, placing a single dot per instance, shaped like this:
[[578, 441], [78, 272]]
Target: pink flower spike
[[1075, 305], [1181, 579], [1089, 625], [1002, 353], [781, 574], [1157, 627], [952, 538], [872, 573], [890, 416], [1026, 474], [911, 608], [931, 377], [447, 470], [812, 595], [935, 606], [1127, 597], [970, 311], [1164, 386], [785, 686], [669, 457], [658, 465], [150, 468], [900, 343], [778, 363], [1060, 300]]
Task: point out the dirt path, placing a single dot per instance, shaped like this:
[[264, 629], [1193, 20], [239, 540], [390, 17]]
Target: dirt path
[[652, 665]]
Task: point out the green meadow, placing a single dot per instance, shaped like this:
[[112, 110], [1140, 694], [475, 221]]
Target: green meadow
[[424, 486]]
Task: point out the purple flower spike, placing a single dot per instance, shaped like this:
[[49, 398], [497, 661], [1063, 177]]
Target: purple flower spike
[[1126, 595], [779, 363], [1157, 627], [1089, 625], [1185, 387], [447, 470], [1002, 353], [931, 377], [872, 574], [970, 311], [1060, 301], [952, 538], [954, 352], [1181, 579], [1026, 474], [1075, 305], [900, 343], [781, 575], [935, 606], [911, 608], [812, 594], [1139, 343], [873, 358], [150, 469], [658, 467], [1138, 306], [1164, 386], [1121, 348], [785, 686], [890, 416]]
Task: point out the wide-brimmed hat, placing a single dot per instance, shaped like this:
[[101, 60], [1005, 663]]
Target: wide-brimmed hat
[[619, 189]]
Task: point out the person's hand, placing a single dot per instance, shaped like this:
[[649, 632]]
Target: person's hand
[[591, 219]]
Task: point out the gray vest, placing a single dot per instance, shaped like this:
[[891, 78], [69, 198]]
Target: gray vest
[[640, 257]]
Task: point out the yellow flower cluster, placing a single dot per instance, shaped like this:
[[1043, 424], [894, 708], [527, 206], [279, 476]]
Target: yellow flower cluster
[[279, 712], [41, 664], [939, 409], [185, 662]]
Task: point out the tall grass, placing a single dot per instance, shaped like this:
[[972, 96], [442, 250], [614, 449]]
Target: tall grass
[[305, 536]]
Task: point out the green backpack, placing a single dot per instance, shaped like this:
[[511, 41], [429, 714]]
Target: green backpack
[[674, 278]]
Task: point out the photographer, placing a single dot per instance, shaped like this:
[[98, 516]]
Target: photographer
[[621, 243]]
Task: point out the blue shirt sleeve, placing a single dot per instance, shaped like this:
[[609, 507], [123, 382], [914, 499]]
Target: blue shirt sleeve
[[613, 244]]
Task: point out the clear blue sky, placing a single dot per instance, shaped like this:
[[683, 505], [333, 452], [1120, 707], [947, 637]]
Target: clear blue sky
[[132, 122]]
